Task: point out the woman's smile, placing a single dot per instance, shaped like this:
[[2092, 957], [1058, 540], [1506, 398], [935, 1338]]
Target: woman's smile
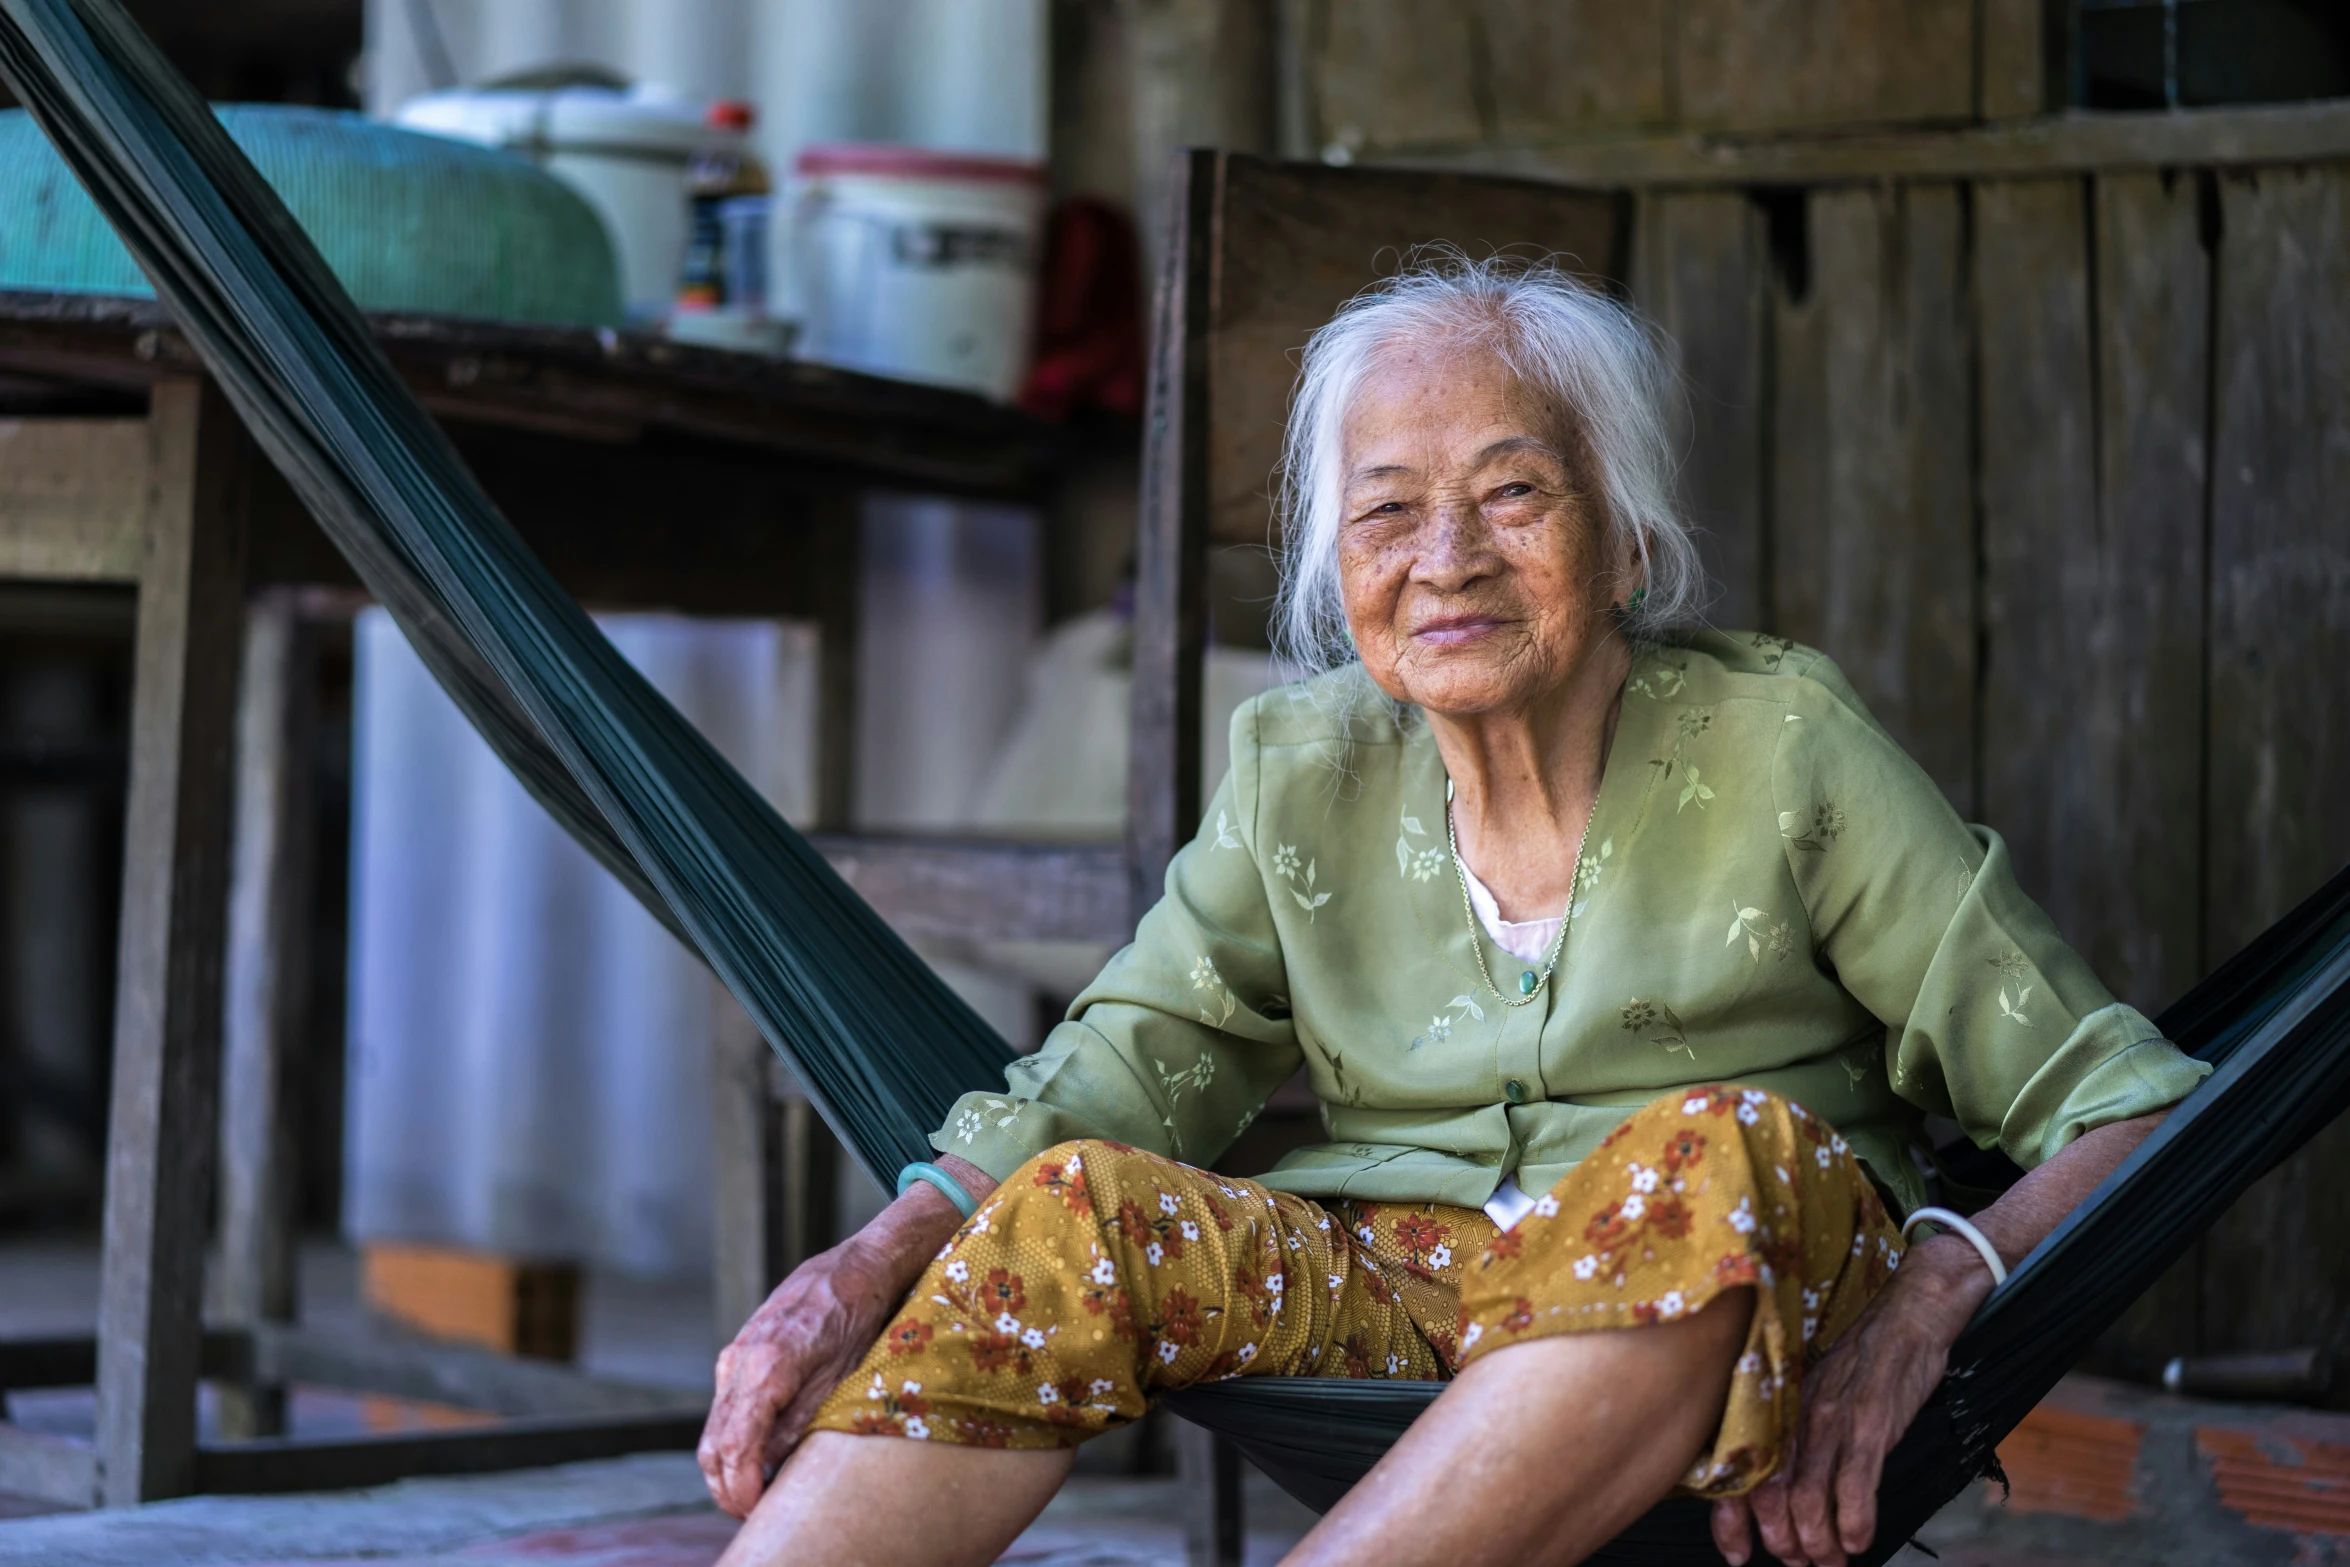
[[1459, 630]]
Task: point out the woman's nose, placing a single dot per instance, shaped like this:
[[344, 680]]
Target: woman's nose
[[1454, 547]]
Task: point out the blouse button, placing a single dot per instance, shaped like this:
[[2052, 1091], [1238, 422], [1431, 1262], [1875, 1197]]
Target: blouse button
[[1515, 1090]]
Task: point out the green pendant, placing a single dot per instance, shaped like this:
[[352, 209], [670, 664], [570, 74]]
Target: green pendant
[[1527, 982]]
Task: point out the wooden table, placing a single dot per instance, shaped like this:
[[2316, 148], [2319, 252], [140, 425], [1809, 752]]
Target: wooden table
[[645, 474]]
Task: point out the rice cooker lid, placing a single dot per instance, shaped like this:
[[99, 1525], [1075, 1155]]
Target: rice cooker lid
[[641, 121]]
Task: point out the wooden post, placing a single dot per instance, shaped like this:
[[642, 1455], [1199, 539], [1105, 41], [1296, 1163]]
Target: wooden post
[[1170, 590], [268, 991], [161, 1128], [746, 1244], [1170, 649], [1215, 1535]]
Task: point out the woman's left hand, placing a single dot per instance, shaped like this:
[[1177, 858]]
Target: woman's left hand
[[1821, 1502]]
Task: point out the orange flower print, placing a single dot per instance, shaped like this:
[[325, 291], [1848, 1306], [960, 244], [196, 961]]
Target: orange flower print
[[997, 1351], [1423, 1242], [1668, 1217], [1115, 1304], [1067, 1179], [1261, 1291], [1181, 1319], [1521, 1317], [1685, 1150], [908, 1337], [1133, 1223], [887, 1413], [1004, 1291], [1502, 1248], [1612, 1226]]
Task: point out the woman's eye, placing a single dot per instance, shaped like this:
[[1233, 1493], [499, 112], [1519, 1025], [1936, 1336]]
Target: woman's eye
[[1387, 509], [1516, 492]]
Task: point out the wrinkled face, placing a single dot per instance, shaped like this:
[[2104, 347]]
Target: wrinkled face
[[1475, 576]]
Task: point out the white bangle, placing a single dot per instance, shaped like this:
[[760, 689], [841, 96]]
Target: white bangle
[[1957, 1225]]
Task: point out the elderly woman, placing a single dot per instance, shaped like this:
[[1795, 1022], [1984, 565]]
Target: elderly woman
[[1626, 960]]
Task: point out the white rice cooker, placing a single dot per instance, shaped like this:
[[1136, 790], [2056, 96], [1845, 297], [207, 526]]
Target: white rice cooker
[[623, 148]]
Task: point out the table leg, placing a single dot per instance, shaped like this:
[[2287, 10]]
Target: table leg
[[268, 990], [161, 1128]]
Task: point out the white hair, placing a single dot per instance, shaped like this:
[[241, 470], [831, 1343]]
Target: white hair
[[1578, 350]]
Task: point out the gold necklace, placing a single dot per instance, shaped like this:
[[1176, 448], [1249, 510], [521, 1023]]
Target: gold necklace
[[1530, 984]]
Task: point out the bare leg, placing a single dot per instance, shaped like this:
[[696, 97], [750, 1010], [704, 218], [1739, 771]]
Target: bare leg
[[1544, 1451], [848, 1501]]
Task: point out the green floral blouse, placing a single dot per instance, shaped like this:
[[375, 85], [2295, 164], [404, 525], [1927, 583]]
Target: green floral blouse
[[1772, 893]]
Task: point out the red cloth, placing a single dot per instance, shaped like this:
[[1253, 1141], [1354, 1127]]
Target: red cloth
[[1089, 315]]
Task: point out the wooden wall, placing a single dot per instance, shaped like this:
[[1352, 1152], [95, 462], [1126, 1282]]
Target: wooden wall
[[1371, 77], [2058, 468]]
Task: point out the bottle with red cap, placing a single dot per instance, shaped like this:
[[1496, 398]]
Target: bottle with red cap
[[722, 289]]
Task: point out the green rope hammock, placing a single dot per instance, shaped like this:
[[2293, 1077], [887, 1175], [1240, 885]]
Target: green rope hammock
[[881, 1043]]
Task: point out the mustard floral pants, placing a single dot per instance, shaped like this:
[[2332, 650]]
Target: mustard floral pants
[[1097, 1275]]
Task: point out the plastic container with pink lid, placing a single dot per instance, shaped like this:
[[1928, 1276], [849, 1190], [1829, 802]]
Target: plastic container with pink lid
[[917, 263]]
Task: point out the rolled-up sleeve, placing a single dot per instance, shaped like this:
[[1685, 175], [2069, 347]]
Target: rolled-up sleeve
[[1991, 1018], [1177, 1044]]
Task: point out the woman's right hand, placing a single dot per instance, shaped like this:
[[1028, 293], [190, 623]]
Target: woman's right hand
[[811, 1333]]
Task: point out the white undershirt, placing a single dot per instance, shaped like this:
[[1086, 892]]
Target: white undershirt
[[1529, 942]]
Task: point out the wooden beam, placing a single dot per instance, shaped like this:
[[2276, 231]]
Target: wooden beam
[[2079, 142], [73, 496], [598, 387], [162, 1126], [1701, 269], [746, 1128], [406, 1366], [980, 890], [2276, 1272], [47, 1468], [71, 1360], [268, 986], [282, 1464], [1209, 1468], [1170, 588], [1872, 526]]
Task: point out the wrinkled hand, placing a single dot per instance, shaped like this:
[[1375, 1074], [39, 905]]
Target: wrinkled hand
[[1821, 1502], [805, 1338]]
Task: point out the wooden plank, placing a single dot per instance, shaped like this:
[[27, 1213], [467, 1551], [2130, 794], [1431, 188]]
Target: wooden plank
[[282, 1464], [1872, 523], [47, 1468], [2092, 483], [598, 386], [1752, 65], [2013, 70], [2079, 142], [71, 1360], [2277, 1274], [161, 1126], [268, 986], [409, 1366], [1397, 74], [1573, 67], [2135, 905], [981, 889], [1296, 241], [1170, 587], [2146, 712], [1701, 270], [745, 1125], [72, 498], [2048, 773], [1208, 1467]]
